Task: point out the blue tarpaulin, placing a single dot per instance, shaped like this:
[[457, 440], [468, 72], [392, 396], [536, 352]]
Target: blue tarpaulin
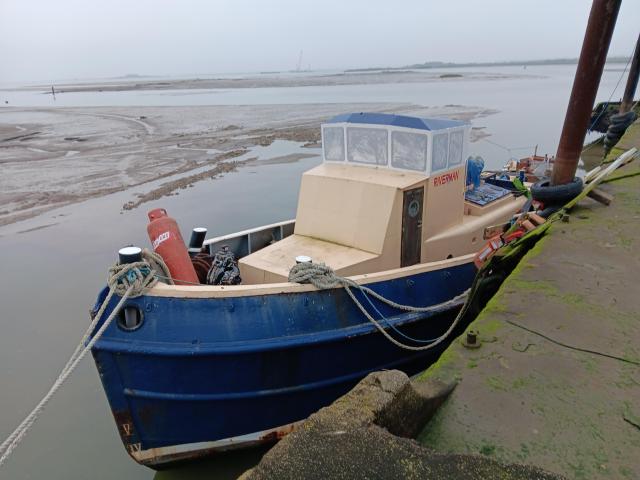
[[485, 194], [474, 169]]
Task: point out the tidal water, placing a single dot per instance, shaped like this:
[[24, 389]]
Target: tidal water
[[54, 265]]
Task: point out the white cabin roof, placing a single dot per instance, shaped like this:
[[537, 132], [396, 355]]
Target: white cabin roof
[[396, 142]]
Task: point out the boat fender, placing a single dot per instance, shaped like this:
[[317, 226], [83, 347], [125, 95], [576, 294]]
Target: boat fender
[[496, 242], [548, 194], [618, 124], [168, 243], [492, 246], [548, 211]]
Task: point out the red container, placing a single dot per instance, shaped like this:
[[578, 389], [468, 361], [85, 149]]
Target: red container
[[166, 240]]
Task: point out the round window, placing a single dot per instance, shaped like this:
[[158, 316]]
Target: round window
[[414, 208]]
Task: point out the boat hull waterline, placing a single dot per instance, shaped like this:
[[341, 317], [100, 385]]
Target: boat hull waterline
[[205, 374]]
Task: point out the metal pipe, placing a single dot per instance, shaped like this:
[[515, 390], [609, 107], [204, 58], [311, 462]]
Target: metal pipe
[[593, 55], [632, 80]]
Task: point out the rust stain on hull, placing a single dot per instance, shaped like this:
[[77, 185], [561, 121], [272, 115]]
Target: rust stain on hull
[[164, 457]]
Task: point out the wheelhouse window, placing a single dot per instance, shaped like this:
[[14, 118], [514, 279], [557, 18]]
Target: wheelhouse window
[[333, 143], [367, 145], [456, 140], [409, 151], [440, 152]]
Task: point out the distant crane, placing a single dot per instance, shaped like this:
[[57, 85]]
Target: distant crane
[[299, 66]]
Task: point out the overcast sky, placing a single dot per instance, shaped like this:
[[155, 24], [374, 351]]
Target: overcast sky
[[65, 39]]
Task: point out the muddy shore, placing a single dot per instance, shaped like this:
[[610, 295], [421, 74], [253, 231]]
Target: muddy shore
[[51, 157]]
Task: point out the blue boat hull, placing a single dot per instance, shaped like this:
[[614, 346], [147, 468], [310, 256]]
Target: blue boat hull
[[202, 374]]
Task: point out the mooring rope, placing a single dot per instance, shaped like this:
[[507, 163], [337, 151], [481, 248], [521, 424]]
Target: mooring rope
[[323, 277], [126, 280], [156, 263]]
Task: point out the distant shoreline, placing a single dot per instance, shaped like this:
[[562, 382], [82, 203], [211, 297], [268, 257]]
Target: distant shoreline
[[510, 63], [318, 80]]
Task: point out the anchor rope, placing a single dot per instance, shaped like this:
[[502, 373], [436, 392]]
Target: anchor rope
[[125, 280], [323, 277]]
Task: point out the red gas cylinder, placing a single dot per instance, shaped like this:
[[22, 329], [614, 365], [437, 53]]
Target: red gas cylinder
[[168, 243]]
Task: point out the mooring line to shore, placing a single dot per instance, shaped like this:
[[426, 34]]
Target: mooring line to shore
[[128, 281], [323, 277], [508, 149], [604, 109], [18, 434]]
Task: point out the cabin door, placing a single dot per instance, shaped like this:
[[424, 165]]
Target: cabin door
[[411, 227]]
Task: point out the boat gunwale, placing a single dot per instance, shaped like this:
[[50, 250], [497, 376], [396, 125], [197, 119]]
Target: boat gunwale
[[248, 231], [231, 291]]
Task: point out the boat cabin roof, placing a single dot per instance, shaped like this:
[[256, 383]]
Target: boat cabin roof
[[405, 121], [396, 142]]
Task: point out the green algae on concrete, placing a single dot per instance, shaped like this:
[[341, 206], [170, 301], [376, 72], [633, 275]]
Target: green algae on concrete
[[365, 434], [521, 398], [628, 140]]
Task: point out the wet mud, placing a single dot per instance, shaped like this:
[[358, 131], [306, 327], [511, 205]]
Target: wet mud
[[52, 157]]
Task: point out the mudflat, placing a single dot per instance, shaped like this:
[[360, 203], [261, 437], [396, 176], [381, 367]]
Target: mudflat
[[51, 157]]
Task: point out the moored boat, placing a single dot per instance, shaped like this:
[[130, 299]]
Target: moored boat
[[202, 368]]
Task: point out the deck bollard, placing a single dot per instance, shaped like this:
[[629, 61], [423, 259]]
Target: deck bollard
[[130, 255], [196, 241]]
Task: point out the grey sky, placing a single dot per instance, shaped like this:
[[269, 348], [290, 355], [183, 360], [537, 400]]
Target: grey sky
[[63, 39]]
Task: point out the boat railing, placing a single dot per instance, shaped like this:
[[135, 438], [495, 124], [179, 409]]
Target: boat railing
[[248, 241]]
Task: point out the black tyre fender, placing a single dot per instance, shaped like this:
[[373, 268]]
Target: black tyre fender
[[617, 128], [548, 194], [548, 211], [625, 119], [613, 135], [611, 139]]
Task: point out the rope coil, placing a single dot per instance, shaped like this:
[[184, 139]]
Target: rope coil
[[323, 277]]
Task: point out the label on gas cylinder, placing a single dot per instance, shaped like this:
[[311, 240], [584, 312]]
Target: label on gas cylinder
[[161, 238]]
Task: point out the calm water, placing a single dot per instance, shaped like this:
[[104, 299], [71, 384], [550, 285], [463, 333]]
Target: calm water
[[51, 275]]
